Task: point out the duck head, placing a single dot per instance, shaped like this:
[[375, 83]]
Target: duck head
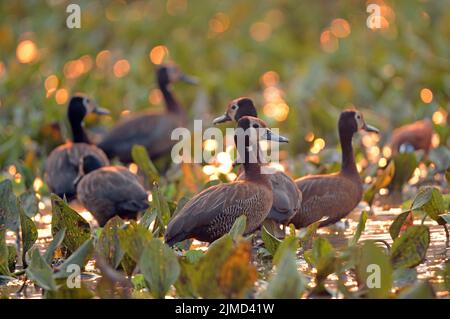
[[80, 106], [236, 109], [352, 121], [87, 164], [171, 73], [249, 131]]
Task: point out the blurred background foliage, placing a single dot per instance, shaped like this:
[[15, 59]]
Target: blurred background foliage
[[301, 61]]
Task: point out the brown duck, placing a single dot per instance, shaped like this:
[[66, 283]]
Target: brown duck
[[286, 196], [334, 195], [211, 213], [61, 167], [107, 191], [411, 137], [150, 129]]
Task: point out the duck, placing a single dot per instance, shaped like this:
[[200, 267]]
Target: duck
[[211, 213], [411, 137], [287, 197], [62, 164], [107, 191], [334, 195], [150, 129]]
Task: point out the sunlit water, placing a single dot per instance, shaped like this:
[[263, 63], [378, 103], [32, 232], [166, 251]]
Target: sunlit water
[[377, 228]]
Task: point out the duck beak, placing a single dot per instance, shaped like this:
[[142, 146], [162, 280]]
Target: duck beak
[[188, 79], [77, 180], [271, 136], [370, 128], [100, 110], [222, 119]]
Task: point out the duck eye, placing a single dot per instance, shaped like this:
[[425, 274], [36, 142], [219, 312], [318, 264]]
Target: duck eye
[[255, 125], [234, 107]]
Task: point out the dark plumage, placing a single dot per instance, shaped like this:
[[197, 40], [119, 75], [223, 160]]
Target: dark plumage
[[61, 167], [286, 196], [411, 137], [150, 129], [110, 190], [334, 195], [211, 213]]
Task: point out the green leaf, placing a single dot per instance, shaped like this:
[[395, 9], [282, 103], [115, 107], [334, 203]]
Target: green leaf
[[429, 199], [108, 244], [40, 272], [193, 256], [410, 248], [306, 234], [381, 181], [161, 205], [9, 211], [80, 257], [56, 242], [29, 232], [374, 270], [29, 203], [133, 239], [405, 164], [289, 243], [148, 218], [397, 224], [141, 158], [4, 269], [420, 290], [287, 283], [360, 228], [270, 241], [77, 228], [323, 258], [12, 257], [160, 267], [65, 292], [238, 227]]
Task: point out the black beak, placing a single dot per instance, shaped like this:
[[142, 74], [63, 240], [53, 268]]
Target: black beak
[[188, 79], [222, 119], [370, 128], [271, 136]]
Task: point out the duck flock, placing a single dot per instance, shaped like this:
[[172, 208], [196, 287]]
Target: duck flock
[[82, 170]]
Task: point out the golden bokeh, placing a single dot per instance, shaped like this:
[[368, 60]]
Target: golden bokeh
[[340, 28], [219, 23], [103, 59], [121, 68], [328, 41], [51, 84], [61, 96], [426, 95], [27, 51], [155, 96], [260, 31], [158, 54]]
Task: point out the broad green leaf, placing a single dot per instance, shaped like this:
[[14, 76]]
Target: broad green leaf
[[289, 243], [307, 234], [374, 270], [323, 258], [133, 239], [287, 283], [160, 267], [29, 232], [141, 158], [77, 228], [186, 280], [108, 244], [161, 205], [405, 164], [360, 228], [9, 211], [29, 203], [396, 226], [40, 272], [429, 200], [420, 290], [270, 241], [410, 248], [55, 243], [193, 256], [148, 218], [79, 257], [238, 227]]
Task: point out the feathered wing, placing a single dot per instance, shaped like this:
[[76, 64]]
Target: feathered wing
[[211, 213], [332, 196], [152, 130], [286, 198], [61, 167]]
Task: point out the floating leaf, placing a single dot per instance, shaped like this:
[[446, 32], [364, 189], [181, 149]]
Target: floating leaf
[[160, 267], [133, 239], [29, 232], [141, 158], [40, 272], [397, 224], [56, 242], [77, 228], [9, 211], [360, 228], [238, 227], [374, 270], [108, 244], [79, 257], [287, 283], [410, 248], [29, 203], [270, 241], [420, 290]]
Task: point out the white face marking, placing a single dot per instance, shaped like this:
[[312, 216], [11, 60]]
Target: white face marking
[[233, 110], [87, 104], [359, 120]]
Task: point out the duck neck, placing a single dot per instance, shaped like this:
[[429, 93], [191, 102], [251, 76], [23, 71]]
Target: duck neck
[[252, 168], [78, 133], [172, 104], [348, 159]]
